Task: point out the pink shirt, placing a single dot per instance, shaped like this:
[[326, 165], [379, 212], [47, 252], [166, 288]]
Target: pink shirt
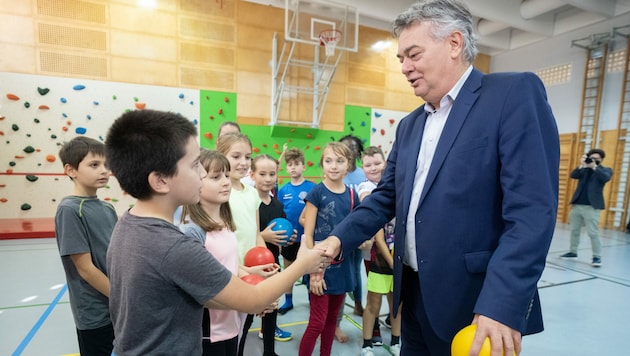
[[224, 324]]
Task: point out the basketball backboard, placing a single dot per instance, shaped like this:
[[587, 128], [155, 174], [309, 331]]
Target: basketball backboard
[[305, 20]]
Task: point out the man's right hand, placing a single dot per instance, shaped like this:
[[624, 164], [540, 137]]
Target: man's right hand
[[331, 247]]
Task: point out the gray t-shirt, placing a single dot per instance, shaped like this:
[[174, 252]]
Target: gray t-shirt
[[159, 281], [84, 225]]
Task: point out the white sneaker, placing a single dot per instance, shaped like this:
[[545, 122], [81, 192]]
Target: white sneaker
[[395, 350], [367, 351]]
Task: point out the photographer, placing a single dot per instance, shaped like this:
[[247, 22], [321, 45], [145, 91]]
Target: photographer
[[588, 202]]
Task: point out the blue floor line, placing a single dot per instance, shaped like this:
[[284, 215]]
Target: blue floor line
[[39, 323]]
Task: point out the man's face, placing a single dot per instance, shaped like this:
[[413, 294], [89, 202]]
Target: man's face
[[427, 63]]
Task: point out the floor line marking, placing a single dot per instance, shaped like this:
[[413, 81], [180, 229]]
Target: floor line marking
[[39, 323]]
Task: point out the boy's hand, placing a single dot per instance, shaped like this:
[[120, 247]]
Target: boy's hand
[[292, 239], [274, 237]]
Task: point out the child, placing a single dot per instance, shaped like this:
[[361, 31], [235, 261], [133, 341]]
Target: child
[[161, 280], [326, 205], [264, 174], [380, 278], [212, 224], [83, 228], [354, 177], [292, 197], [244, 202]]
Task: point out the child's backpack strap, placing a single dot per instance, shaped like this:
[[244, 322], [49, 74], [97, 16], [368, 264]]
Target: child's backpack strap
[[351, 199]]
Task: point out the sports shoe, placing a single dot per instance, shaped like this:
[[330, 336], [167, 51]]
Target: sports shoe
[[282, 335], [284, 309], [597, 262], [569, 255], [395, 350], [377, 340], [367, 351], [388, 322]]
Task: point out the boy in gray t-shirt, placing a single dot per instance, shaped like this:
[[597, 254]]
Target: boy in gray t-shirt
[[83, 228], [160, 279]]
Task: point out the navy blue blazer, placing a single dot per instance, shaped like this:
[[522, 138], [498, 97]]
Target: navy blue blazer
[[595, 187], [488, 209]]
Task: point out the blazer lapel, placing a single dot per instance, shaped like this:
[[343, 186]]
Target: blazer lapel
[[413, 138], [456, 118]]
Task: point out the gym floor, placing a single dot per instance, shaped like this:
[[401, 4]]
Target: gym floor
[[585, 308]]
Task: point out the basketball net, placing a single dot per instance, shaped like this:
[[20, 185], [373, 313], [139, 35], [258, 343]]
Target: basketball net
[[329, 39]]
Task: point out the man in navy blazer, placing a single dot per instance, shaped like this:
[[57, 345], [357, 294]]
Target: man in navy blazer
[[587, 203], [472, 179]]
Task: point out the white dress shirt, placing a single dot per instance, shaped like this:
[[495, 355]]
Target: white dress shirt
[[436, 119]]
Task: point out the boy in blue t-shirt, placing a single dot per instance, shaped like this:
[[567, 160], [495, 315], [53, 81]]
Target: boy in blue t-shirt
[[292, 197]]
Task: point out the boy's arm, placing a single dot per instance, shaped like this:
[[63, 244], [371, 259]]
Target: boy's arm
[[382, 247], [94, 276]]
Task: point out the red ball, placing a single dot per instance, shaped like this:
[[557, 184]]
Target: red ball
[[252, 279], [258, 256]]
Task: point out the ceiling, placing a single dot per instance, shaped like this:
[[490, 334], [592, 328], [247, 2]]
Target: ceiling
[[501, 24]]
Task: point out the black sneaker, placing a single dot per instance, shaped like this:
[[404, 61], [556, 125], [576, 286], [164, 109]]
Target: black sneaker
[[597, 262], [388, 322], [569, 255]]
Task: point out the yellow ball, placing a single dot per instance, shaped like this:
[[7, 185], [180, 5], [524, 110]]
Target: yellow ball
[[462, 342]]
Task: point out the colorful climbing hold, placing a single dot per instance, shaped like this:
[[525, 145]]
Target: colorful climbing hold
[[208, 135], [13, 97], [29, 149], [181, 95], [27, 104], [4, 200], [15, 127], [309, 163], [31, 178], [42, 91], [140, 106], [78, 87], [63, 100], [36, 120], [220, 111], [392, 121], [25, 206], [51, 158], [80, 130], [256, 149], [43, 107]]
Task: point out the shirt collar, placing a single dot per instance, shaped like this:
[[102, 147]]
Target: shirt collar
[[452, 94]]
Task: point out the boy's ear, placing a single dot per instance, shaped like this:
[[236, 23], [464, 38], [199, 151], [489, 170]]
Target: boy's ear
[[69, 171], [158, 183]]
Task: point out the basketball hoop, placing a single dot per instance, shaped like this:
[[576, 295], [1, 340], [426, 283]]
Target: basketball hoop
[[329, 39]]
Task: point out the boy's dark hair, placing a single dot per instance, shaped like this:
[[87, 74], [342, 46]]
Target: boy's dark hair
[[144, 141], [356, 140], [294, 154], [75, 150], [212, 162], [600, 152]]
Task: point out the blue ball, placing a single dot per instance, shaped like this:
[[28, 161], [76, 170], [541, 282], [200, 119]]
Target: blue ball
[[282, 224]]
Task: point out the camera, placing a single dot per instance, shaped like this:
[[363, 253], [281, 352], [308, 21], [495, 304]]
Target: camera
[[589, 160]]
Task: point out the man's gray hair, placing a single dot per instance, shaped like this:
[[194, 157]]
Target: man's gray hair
[[445, 17]]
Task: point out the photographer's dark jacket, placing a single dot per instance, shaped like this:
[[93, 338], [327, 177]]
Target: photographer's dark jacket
[[591, 183]]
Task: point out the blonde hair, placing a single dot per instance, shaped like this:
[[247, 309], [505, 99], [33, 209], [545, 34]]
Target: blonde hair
[[225, 142], [340, 149]]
